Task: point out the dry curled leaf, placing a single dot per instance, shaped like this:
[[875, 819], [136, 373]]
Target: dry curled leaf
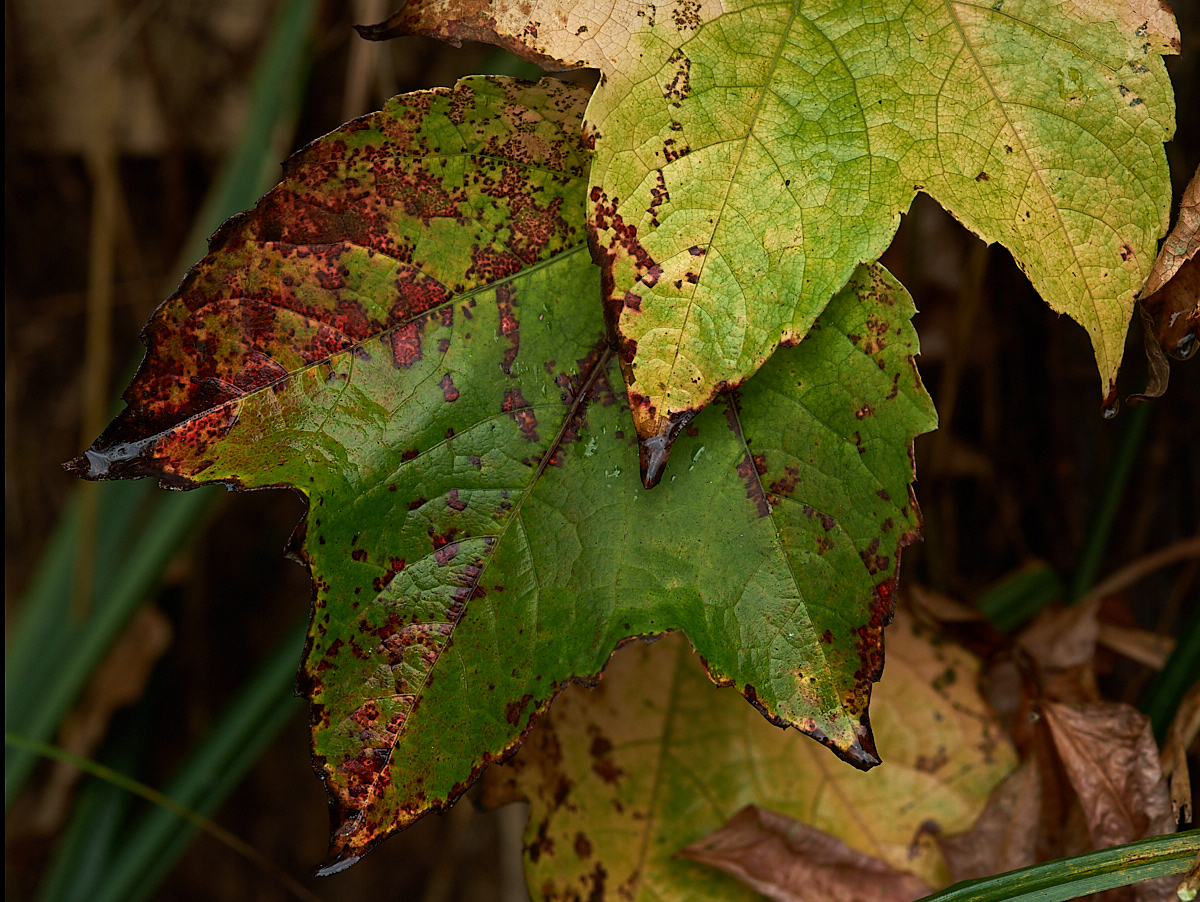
[[789, 861], [1005, 837], [1062, 645], [1181, 244], [1170, 308], [1112, 761]]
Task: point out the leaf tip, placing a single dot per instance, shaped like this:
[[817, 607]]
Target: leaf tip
[[122, 460], [655, 450], [1111, 405], [337, 863], [389, 28], [862, 752]]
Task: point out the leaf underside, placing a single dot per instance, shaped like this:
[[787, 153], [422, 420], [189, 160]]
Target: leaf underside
[[406, 331], [749, 155]]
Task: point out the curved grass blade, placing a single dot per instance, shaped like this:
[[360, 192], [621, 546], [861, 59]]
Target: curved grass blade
[[199, 821], [1069, 878]]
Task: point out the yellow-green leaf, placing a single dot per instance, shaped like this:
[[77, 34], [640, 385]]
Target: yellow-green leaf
[[624, 776], [749, 155]]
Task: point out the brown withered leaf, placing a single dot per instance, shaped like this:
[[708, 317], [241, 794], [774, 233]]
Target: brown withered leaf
[[1110, 756], [1005, 837], [1033, 816], [789, 861], [1181, 244], [1062, 645], [1170, 308], [1157, 364], [1174, 311], [1143, 646], [1171, 324]]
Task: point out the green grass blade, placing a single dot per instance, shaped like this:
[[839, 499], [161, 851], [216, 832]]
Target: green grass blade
[[1013, 600], [1096, 543], [211, 772], [1069, 878], [45, 625], [49, 660], [85, 846], [83, 647]]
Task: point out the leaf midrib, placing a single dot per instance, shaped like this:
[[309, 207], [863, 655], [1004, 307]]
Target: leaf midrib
[[598, 368], [950, 6]]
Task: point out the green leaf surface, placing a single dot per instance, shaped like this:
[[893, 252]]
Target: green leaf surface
[[749, 155], [407, 332], [622, 777]]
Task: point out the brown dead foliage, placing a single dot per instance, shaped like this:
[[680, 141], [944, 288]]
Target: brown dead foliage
[[789, 861]]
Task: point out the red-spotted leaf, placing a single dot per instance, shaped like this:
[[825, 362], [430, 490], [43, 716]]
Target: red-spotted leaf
[[409, 332]]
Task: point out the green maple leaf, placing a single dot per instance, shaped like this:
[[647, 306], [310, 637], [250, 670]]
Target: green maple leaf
[[749, 155], [407, 332]]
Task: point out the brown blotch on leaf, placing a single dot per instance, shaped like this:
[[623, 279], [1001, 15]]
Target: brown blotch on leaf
[[658, 196], [874, 561], [514, 709], [679, 87], [583, 848], [521, 413], [754, 490], [509, 327]]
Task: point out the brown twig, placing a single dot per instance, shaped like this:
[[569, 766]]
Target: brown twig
[[1142, 567]]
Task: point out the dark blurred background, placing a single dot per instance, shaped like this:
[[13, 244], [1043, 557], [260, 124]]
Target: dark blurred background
[[123, 113]]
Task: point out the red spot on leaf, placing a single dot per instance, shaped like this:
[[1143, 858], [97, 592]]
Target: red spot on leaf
[[521, 413], [509, 328], [406, 344]]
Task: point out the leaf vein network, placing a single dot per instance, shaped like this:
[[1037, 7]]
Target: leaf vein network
[[744, 140], [571, 412], [970, 49]]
